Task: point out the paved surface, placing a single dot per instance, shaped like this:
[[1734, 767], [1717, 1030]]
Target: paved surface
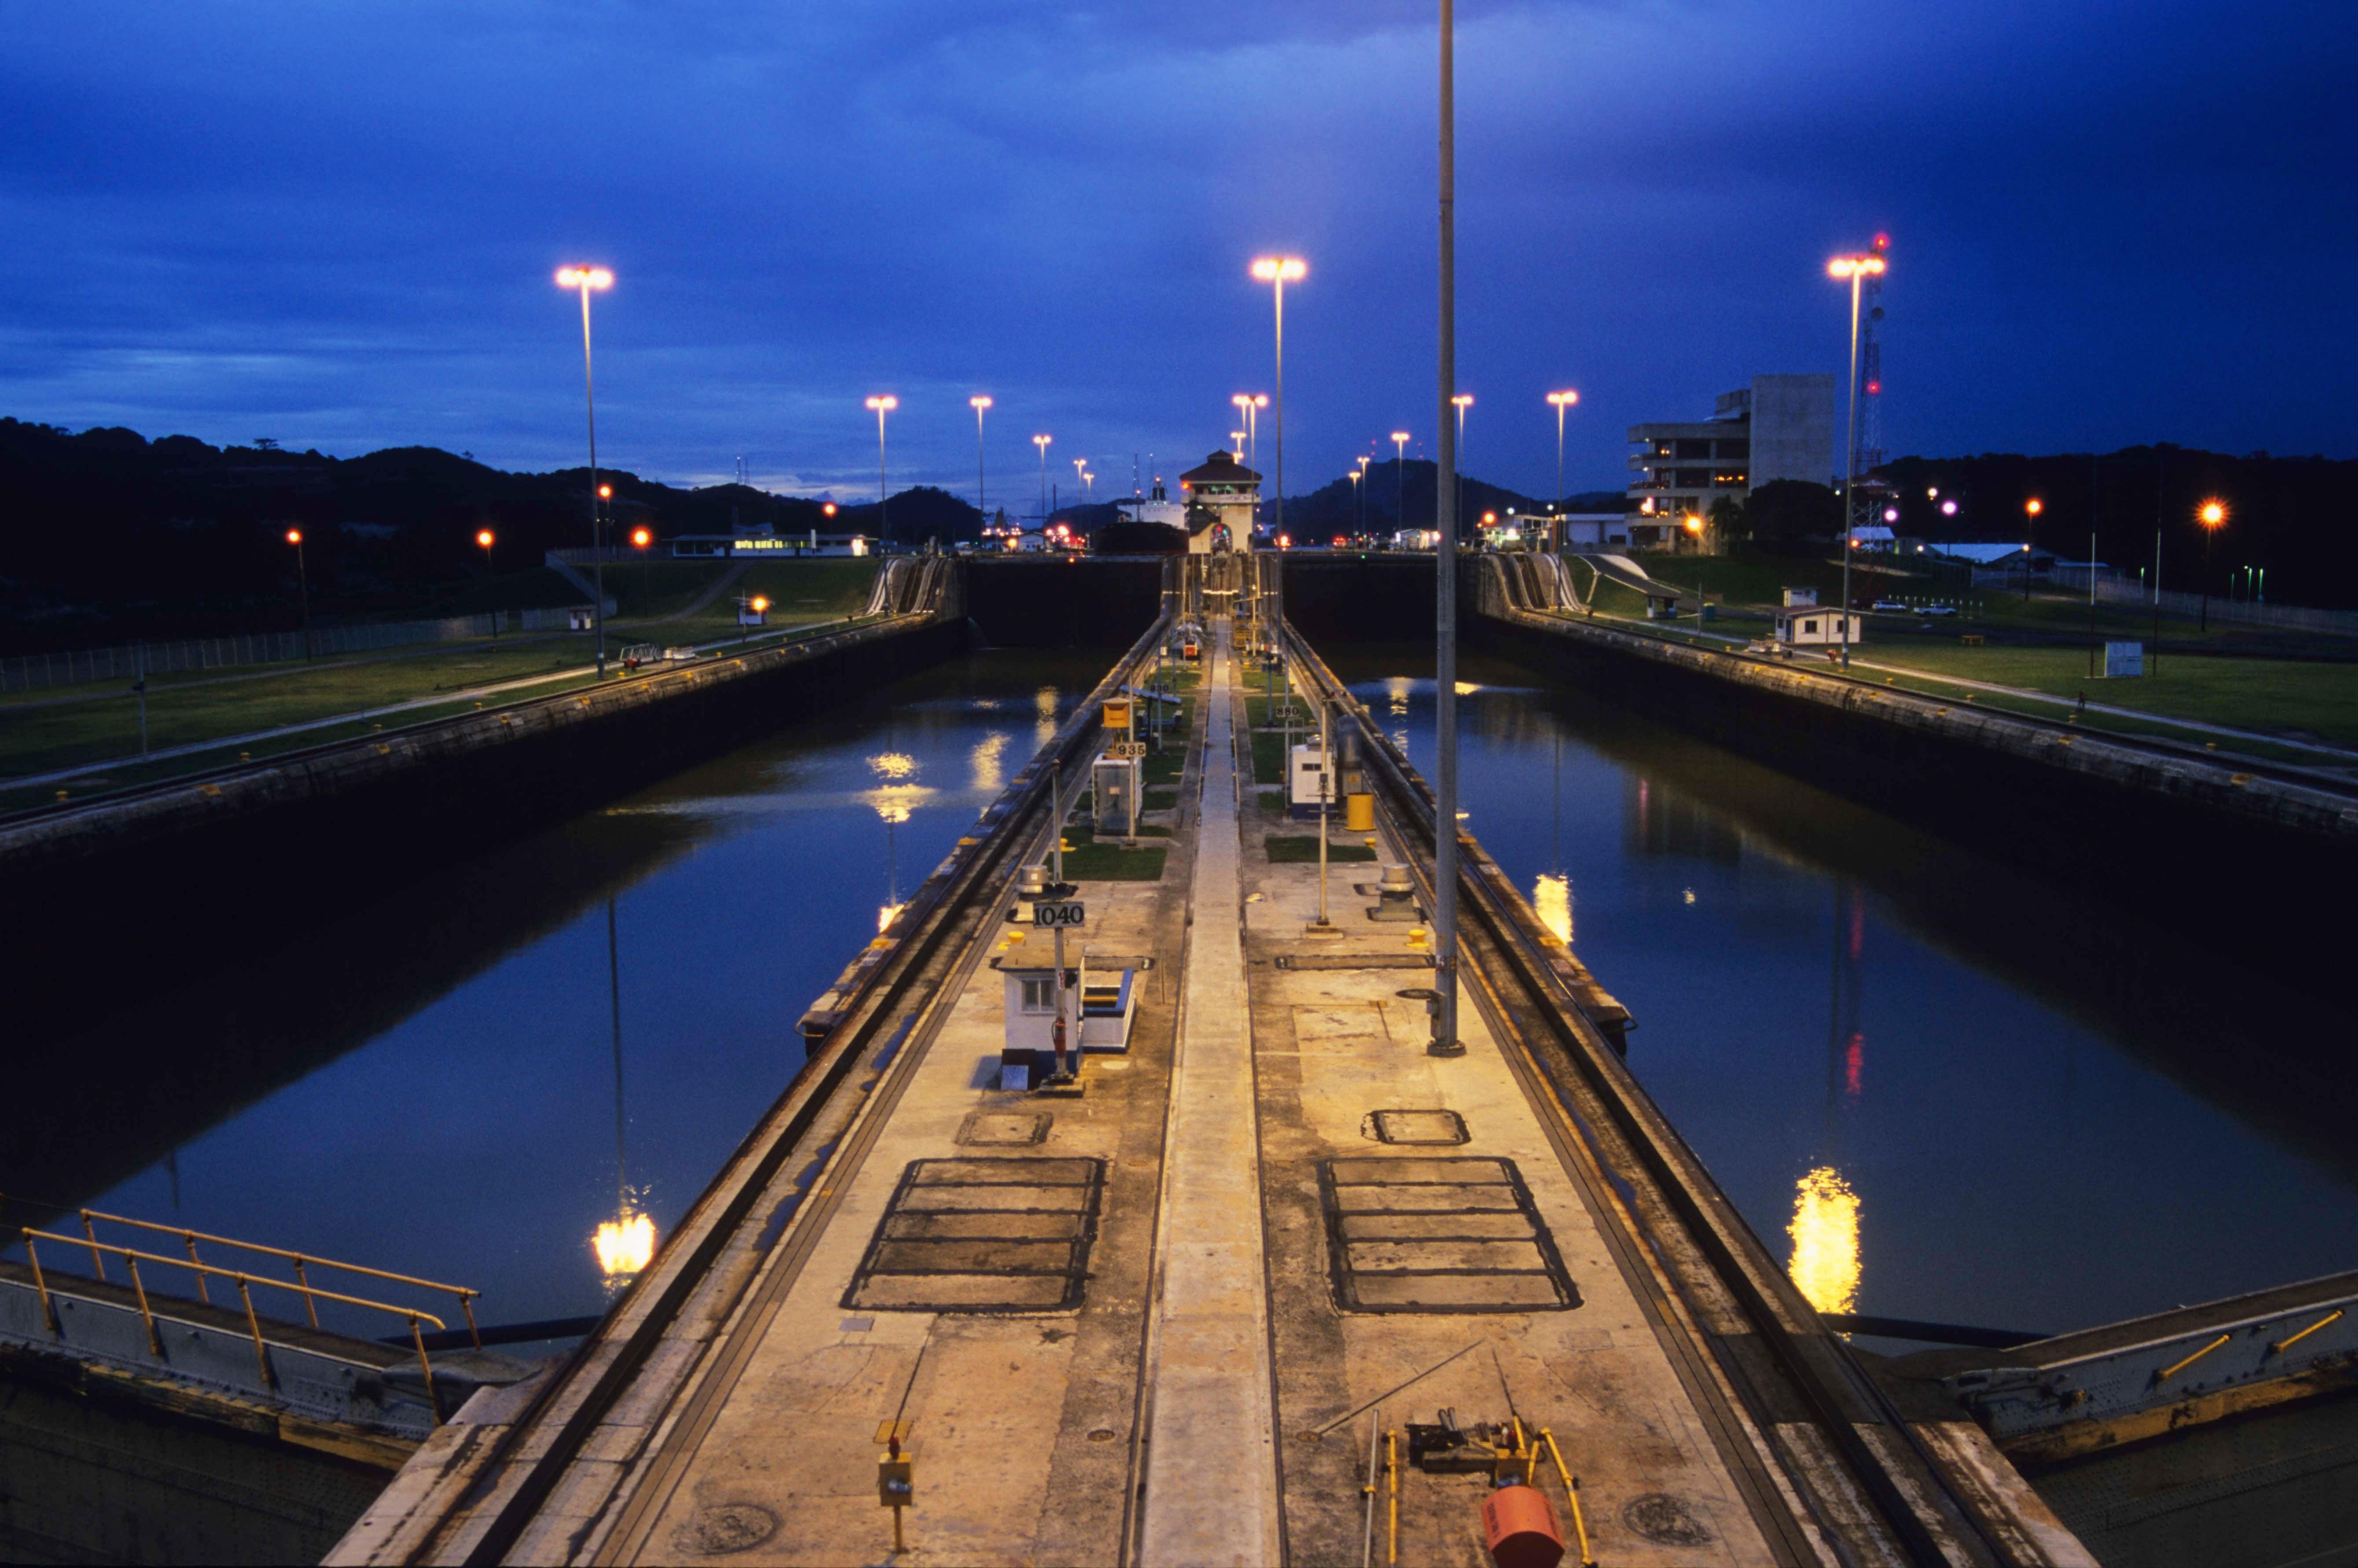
[[1211, 1481]]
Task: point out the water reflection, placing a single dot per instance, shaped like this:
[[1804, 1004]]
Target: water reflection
[[990, 770], [2066, 1087], [1045, 703], [1824, 1231], [1552, 898]]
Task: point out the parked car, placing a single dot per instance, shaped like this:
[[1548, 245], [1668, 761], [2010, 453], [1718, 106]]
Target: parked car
[[1890, 604], [1938, 609]]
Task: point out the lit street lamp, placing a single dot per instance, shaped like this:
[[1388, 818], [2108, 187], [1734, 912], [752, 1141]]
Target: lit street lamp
[[979, 403], [1359, 511], [1249, 407], [483, 537], [1279, 271], [1858, 269], [588, 280], [1399, 474], [1461, 401], [2213, 517], [1561, 400], [1444, 1041], [1238, 437], [880, 407], [302, 588]]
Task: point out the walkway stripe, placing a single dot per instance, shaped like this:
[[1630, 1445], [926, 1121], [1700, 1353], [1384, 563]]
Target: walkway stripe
[[1211, 1461]]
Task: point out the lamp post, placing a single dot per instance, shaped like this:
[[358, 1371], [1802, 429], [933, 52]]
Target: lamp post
[[1444, 1041], [1238, 437], [1358, 511], [882, 406], [1694, 531], [302, 590], [1279, 271], [586, 280], [2213, 517], [1080, 472], [484, 539], [979, 403], [1089, 485], [1399, 474], [1561, 400], [1041, 442], [1858, 269], [1461, 401]]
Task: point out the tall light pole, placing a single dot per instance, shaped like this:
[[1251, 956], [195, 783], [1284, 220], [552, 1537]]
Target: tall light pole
[[1041, 442], [1359, 511], [979, 403], [2213, 516], [302, 588], [1858, 269], [1238, 437], [1080, 472], [588, 280], [1281, 271], [882, 406], [484, 538], [1399, 474], [1561, 400], [1461, 401], [1088, 486], [1444, 1041]]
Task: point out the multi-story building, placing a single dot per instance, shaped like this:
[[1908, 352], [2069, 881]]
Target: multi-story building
[[1782, 427]]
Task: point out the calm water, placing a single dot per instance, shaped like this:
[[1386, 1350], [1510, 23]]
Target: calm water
[[469, 1131], [1942, 1088], [1963, 1093]]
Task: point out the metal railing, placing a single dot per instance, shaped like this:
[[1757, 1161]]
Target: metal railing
[[131, 1258]]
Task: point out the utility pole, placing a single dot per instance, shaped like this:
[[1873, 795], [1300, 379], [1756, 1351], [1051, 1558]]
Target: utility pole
[[1444, 1041]]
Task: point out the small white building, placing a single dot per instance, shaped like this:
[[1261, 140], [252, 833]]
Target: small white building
[[1814, 626], [1306, 777], [1800, 599], [1104, 1000]]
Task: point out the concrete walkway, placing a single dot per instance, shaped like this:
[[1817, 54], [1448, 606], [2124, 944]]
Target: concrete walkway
[[1211, 1475]]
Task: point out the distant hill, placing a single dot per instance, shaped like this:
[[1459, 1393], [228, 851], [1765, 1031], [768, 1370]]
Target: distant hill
[[109, 535]]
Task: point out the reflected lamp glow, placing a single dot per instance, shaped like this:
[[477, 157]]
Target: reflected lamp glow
[[625, 1246], [990, 774], [1551, 899], [893, 766], [1826, 1264]]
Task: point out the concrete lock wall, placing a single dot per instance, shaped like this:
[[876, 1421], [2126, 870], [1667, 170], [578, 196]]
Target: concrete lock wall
[[191, 872], [1059, 602]]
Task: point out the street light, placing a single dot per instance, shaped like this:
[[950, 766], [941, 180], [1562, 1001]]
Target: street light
[[587, 280], [1041, 442], [1444, 1041], [979, 403], [1694, 526], [2213, 517], [483, 538], [1089, 485], [1359, 511], [1249, 407], [302, 588], [1238, 437], [882, 406], [1278, 271], [1399, 474], [1561, 400], [1858, 269], [1461, 401]]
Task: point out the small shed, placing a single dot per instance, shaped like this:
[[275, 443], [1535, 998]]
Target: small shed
[[1307, 783], [1105, 1002], [1809, 626]]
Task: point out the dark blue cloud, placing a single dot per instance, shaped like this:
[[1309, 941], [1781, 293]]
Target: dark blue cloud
[[337, 225]]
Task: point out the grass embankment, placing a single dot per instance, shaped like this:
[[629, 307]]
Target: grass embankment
[[1087, 861]]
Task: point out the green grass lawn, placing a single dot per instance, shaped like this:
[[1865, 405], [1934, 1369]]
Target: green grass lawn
[[2297, 700], [185, 709], [1269, 756], [1285, 849], [1090, 861]]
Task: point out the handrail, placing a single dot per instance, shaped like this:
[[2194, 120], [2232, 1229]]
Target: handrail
[[465, 1294], [132, 1257]]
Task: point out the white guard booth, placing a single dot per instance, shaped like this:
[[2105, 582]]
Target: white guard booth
[[1104, 1000], [1115, 800], [1305, 776]]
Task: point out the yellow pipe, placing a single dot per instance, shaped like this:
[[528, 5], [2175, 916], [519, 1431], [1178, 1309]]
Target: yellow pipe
[[1391, 1470], [2281, 1346], [2167, 1373], [1572, 1490]]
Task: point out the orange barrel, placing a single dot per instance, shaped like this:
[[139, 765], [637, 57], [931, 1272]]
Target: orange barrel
[[1359, 813], [1518, 1523]]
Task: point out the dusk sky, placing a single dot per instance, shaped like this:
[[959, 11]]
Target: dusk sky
[[335, 224]]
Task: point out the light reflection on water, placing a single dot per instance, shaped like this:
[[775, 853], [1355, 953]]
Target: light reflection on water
[[477, 1130], [2045, 1094]]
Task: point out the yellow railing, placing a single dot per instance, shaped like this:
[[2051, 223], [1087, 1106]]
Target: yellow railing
[[131, 1258]]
